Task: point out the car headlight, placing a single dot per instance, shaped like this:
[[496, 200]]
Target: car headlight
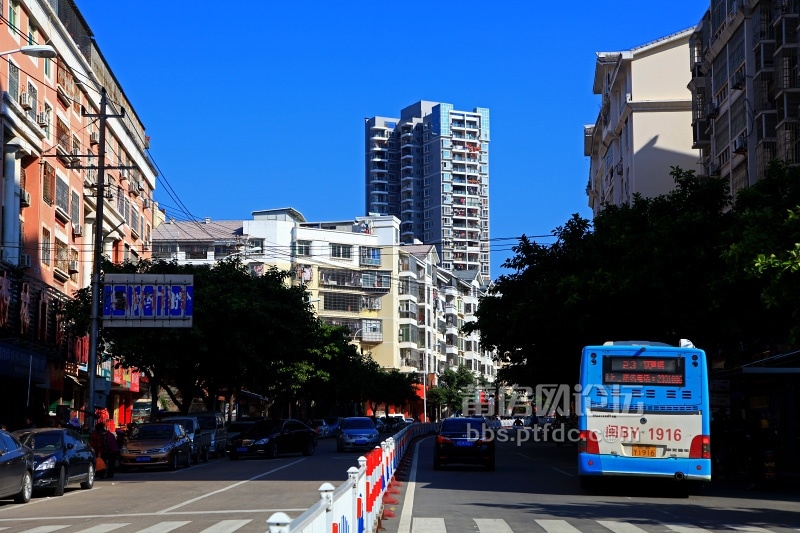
[[47, 464], [373, 436], [261, 442], [165, 449]]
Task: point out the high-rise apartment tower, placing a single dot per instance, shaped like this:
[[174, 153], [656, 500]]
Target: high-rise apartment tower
[[430, 169]]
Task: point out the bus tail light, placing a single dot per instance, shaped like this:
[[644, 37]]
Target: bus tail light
[[588, 442], [701, 447]]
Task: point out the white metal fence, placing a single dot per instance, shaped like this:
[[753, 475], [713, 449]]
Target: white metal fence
[[356, 505]]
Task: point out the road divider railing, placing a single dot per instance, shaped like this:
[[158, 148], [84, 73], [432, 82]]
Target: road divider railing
[[355, 506]]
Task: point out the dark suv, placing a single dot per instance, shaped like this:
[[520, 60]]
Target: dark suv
[[464, 440]]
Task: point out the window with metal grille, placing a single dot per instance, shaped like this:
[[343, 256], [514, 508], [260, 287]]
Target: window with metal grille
[[46, 244], [48, 183], [195, 251], [303, 248], [33, 95], [62, 194], [341, 302], [75, 213], [13, 81], [62, 256]]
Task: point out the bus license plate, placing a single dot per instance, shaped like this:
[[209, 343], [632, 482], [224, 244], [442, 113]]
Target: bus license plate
[[643, 451]]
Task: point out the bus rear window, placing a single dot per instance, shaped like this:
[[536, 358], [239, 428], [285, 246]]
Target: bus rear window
[[644, 371]]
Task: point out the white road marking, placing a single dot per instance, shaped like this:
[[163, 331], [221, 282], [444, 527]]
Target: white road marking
[[404, 525], [103, 528], [557, 526], [687, 529], [429, 525], [226, 526], [620, 527], [492, 525], [163, 527]]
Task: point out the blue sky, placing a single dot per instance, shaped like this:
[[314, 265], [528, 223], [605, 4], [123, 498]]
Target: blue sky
[[260, 104]]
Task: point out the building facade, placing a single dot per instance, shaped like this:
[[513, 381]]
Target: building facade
[[643, 127], [399, 305], [430, 169], [51, 156]]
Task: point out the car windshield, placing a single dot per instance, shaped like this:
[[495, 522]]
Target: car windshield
[[240, 427], [462, 424], [207, 422], [358, 423], [187, 424], [332, 421], [161, 431], [43, 442], [265, 426], [319, 422]]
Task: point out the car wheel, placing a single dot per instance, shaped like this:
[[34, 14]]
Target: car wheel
[[437, 463], [588, 483], [233, 456], [490, 465], [340, 448], [272, 450], [61, 482], [89, 483], [205, 455], [195, 458], [24, 495], [309, 448], [173, 462]]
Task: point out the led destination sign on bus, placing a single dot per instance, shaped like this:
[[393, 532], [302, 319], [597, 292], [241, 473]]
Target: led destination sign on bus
[[643, 370]]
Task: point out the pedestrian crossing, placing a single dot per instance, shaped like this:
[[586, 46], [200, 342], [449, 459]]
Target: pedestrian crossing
[[494, 525], [418, 525]]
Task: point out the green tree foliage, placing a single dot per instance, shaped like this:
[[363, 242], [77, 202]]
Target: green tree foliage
[[451, 388], [653, 270]]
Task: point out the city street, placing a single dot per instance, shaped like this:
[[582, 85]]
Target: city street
[[534, 488]]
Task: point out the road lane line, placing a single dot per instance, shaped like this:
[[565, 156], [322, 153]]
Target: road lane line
[[404, 526], [620, 527], [429, 525], [687, 529], [750, 529], [163, 527], [492, 525], [168, 509], [557, 526], [226, 526], [104, 528], [44, 529]]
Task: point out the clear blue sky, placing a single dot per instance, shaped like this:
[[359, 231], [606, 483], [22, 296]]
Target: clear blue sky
[[260, 104]]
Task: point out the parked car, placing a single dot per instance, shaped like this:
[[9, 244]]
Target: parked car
[[238, 427], [201, 438], [323, 430], [156, 444], [333, 425], [269, 438], [465, 440], [357, 433], [16, 465], [61, 457], [214, 423]]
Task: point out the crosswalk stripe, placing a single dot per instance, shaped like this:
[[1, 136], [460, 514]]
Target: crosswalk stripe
[[428, 525], [44, 529], [492, 525], [687, 529], [750, 529], [103, 528], [557, 526], [226, 526], [163, 527], [620, 527]]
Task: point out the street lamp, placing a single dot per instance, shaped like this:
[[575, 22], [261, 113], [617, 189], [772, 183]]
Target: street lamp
[[34, 50]]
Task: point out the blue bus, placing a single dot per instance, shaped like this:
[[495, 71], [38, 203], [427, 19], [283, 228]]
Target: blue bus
[[644, 412]]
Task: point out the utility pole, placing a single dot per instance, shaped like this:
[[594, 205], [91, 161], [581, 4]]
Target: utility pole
[[97, 262]]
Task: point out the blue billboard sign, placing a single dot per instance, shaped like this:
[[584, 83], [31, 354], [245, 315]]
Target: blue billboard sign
[[148, 300]]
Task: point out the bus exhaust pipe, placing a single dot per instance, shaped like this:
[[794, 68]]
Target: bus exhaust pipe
[[678, 476]]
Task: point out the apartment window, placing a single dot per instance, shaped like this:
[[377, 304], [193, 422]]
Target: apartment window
[[75, 212], [341, 251], [13, 16], [48, 67], [13, 81], [48, 112], [62, 195], [127, 214], [31, 34], [303, 248], [62, 256], [33, 95], [46, 244], [49, 183], [195, 251]]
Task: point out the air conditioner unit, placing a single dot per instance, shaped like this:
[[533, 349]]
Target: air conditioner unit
[[713, 169], [737, 82], [145, 245], [77, 230], [25, 261], [712, 111], [94, 138], [146, 203], [740, 145], [26, 101], [76, 157], [123, 173], [73, 267], [24, 198], [140, 185], [42, 119]]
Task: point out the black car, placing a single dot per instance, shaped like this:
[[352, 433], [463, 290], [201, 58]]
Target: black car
[[464, 440], [16, 469], [61, 457], [237, 428], [269, 438]]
